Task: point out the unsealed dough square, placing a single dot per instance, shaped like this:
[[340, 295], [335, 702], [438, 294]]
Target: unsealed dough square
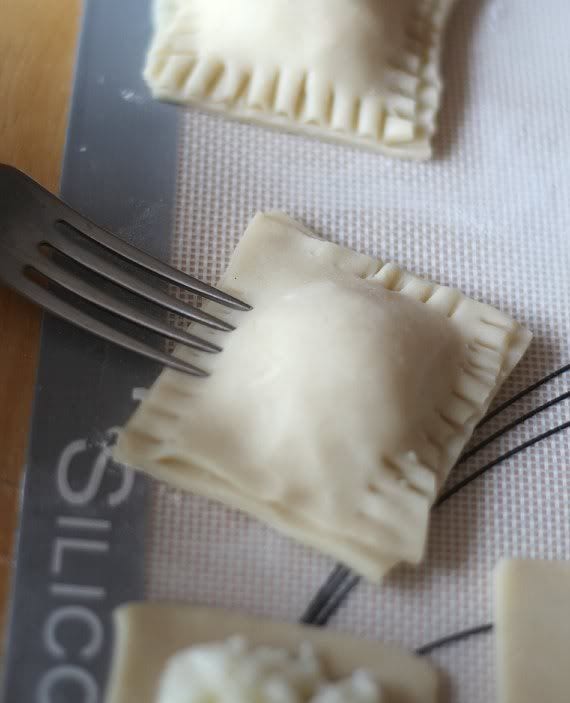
[[364, 72], [338, 404], [148, 634], [533, 631]]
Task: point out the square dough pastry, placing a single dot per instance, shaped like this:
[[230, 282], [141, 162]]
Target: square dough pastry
[[533, 631], [147, 635], [364, 72], [339, 403]]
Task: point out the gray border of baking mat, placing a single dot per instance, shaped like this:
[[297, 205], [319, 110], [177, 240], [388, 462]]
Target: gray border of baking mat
[[80, 548]]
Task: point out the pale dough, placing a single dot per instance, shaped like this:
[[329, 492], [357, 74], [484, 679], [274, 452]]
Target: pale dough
[[533, 631], [359, 71], [338, 405], [148, 634]]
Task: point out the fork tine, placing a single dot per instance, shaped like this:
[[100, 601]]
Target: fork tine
[[14, 183], [47, 300], [150, 263], [117, 275], [94, 295]]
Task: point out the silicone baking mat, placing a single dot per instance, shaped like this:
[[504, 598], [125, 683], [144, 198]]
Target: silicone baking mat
[[490, 215]]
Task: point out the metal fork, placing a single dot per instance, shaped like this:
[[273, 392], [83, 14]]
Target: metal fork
[[33, 223]]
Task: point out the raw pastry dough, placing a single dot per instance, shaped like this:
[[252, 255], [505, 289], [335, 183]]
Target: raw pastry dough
[[148, 634], [533, 631], [358, 71], [338, 405]]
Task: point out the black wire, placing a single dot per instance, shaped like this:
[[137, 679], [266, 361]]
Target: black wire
[[455, 637], [511, 425], [521, 394], [325, 592], [330, 608], [446, 495]]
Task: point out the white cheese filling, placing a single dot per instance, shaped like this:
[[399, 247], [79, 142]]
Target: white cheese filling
[[231, 672]]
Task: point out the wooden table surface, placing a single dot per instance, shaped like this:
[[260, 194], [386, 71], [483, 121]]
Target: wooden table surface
[[37, 51]]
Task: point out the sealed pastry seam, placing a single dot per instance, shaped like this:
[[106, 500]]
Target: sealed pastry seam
[[390, 107], [412, 377]]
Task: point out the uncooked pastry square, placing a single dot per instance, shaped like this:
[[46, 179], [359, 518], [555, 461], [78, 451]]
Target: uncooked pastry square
[[364, 72], [148, 634], [339, 403], [533, 631]]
